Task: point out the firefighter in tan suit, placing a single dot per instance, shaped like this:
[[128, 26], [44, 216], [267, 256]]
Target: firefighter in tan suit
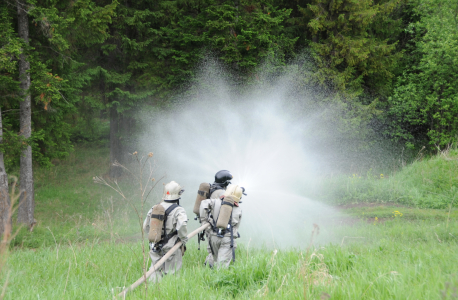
[[222, 180], [175, 222], [222, 242]]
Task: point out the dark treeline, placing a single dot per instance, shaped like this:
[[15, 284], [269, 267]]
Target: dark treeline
[[392, 64]]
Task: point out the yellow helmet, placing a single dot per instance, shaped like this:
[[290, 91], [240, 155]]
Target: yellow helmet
[[234, 191], [172, 191]]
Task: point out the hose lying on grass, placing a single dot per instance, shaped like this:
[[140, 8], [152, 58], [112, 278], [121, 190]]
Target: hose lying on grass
[[160, 262]]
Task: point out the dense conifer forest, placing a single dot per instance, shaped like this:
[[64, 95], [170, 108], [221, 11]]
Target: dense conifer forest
[[339, 117], [79, 71]]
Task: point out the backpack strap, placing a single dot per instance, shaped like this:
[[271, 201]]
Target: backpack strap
[[213, 188], [215, 217], [166, 237], [169, 210], [204, 194], [232, 240]]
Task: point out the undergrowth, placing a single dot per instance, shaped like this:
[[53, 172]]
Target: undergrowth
[[397, 259], [426, 183], [87, 246], [71, 207]]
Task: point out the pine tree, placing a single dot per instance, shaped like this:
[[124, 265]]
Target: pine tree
[[51, 79], [348, 52], [154, 48]]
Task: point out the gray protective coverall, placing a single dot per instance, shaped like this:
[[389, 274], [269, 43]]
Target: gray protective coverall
[[209, 260], [219, 248], [176, 220]]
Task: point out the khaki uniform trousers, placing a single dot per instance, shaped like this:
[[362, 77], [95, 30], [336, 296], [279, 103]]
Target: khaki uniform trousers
[[172, 264], [222, 251]]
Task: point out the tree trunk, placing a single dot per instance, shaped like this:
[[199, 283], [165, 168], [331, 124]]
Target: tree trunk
[[26, 200], [128, 141], [5, 220], [115, 145]]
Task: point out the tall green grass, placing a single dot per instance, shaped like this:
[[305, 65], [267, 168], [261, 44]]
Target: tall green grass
[[70, 206], [397, 259], [86, 243], [427, 183]]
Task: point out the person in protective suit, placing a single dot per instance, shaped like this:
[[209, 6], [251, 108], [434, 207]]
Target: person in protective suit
[[222, 180], [222, 242], [175, 224]]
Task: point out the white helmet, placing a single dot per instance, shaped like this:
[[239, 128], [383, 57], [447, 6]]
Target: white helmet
[[172, 191], [234, 191]]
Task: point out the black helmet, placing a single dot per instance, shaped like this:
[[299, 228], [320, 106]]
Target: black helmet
[[223, 177]]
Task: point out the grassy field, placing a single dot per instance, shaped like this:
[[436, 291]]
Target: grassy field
[[71, 207], [395, 259], [426, 183], [83, 247]]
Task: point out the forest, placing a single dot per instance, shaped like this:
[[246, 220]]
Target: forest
[[80, 71], [362, 143]]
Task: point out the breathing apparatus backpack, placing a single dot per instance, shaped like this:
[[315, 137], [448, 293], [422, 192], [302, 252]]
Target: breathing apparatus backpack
[[231, 197], [205, 191], [202, 194], [225, 212], [157, 231]]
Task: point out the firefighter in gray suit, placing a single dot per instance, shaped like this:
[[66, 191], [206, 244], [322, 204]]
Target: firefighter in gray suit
[[222, 180], [224, 215], [166, 224]]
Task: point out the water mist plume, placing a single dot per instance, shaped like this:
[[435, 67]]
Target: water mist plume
[[257, 137]]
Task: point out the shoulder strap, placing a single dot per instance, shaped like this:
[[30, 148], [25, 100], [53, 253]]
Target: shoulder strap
[[214, 188], [169, 210], [165, 236], [215, 215], [217, 208]]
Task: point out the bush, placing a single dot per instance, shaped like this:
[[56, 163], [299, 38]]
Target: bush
[[430, 183]]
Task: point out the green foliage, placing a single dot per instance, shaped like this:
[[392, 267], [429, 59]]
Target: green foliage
[[348, 52], [70, 204], [57, 33], [422, 254], [96, 60], [248, 33], [428, 183], [10, 49], [79, 233], [424, 104], [160, 44]]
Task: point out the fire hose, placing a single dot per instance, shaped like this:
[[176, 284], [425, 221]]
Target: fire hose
[[160, 262]]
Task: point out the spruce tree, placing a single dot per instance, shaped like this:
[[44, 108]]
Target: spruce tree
[[348, 51]]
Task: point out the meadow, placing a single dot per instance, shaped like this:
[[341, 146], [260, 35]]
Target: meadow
[[425, 183], [86, 246]]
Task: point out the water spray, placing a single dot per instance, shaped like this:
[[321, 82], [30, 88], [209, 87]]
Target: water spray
[[258, 134]]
